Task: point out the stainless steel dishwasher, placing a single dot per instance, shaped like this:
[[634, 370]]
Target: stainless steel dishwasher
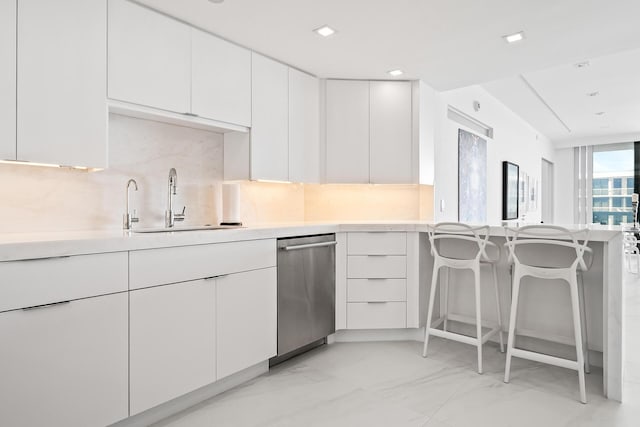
[[306, 293]]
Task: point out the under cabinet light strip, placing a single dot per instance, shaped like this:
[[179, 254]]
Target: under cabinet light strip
[[535, 92]]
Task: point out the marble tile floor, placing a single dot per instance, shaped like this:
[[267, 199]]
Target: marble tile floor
[[390, 384]]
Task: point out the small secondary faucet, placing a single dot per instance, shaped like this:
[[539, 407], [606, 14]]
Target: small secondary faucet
[[129, 219], [171, 217]]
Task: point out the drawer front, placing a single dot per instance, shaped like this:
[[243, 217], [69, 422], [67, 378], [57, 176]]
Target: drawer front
[[377, 244], [385, 315], [153, 267], [363, 290], [44, 281], [373, 267]]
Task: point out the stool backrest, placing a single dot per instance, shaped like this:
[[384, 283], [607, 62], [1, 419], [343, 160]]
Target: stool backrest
[[541, 246], [476, 237]]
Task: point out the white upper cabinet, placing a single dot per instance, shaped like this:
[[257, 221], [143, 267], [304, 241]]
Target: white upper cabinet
[[270, 119], [304, 132], [369, 132], [149, 58], [221, 79], [390, 133], [61, 62], [347, 131], [8, 79]]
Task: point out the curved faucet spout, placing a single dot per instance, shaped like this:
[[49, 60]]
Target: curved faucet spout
[[173, 181], [128, 218], [170, 216]]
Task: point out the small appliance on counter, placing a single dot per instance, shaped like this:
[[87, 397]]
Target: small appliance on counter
[[231, 204]]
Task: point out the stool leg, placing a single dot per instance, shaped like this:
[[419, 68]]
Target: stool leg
[[512, 322], [476, 275], [583, 322], [575, 305], [447, 271], [494, 269], [432, 297]]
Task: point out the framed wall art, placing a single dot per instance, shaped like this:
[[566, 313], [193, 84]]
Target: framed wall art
[[472, 178], [510, 190]]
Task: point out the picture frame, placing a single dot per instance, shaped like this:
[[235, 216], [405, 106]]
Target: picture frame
[[510, 190], [472, 178]]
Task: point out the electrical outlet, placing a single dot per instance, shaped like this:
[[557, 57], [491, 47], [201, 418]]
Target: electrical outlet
[[441, 205]]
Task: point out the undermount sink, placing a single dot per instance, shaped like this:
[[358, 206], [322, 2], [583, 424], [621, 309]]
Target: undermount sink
[[186, 228]]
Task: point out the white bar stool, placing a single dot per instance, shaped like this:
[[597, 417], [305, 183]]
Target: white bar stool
[[527, 246], [477, 238]]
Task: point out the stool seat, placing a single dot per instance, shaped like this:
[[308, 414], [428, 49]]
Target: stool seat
[[477, 241], [549, 239]]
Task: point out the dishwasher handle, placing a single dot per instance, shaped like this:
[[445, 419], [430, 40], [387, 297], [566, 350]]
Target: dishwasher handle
[[310, 245]]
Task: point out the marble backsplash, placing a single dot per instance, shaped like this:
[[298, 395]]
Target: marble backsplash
[[56, 199], [53, 199]]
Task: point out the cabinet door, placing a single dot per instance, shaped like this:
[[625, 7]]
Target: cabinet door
[[269, 119], [304, 132], [246, 319], [65, 365], [221, 79], [172, 349], [149, 58], [61, 104], [8, 79], [347, 131], [390, 133]]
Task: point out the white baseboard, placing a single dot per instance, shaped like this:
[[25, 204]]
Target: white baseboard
[[188, 400]]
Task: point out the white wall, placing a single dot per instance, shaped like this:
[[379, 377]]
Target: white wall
[[514, 140]]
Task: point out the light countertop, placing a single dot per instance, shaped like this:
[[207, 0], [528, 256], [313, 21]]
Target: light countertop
[[15, 246]]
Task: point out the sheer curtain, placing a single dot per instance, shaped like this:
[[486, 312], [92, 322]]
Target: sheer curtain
[[582, 181]]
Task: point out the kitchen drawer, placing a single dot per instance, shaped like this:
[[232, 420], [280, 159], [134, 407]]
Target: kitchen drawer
[[363, 290], [152, 267], [42, 281], [379, 315], [376, 266], [377, 243]]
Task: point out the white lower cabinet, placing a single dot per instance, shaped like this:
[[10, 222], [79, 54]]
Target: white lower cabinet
[[377, 284], [65, 364], [377, 315], [172, 347], [246, 309]]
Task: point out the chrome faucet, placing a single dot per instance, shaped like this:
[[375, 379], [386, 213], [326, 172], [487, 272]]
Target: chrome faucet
[[171, 217], [129, 219]]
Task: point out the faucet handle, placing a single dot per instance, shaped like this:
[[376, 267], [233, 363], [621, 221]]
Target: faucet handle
[[180, 216], [134, 217]]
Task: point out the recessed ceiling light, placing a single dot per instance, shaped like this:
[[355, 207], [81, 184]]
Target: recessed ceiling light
[[583, 64], [515, 37], [216, 1], [396, 73], [325, 31], [600, 113], [596, 93]]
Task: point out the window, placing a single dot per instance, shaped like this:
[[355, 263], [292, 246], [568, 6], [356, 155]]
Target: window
[[601, 202], [612, 183]]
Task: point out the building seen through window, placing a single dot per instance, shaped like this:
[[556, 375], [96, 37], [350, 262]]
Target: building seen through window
[[612, 184]]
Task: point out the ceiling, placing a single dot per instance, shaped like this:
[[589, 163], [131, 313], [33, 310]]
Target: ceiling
[[595, 103], [452, 44]]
